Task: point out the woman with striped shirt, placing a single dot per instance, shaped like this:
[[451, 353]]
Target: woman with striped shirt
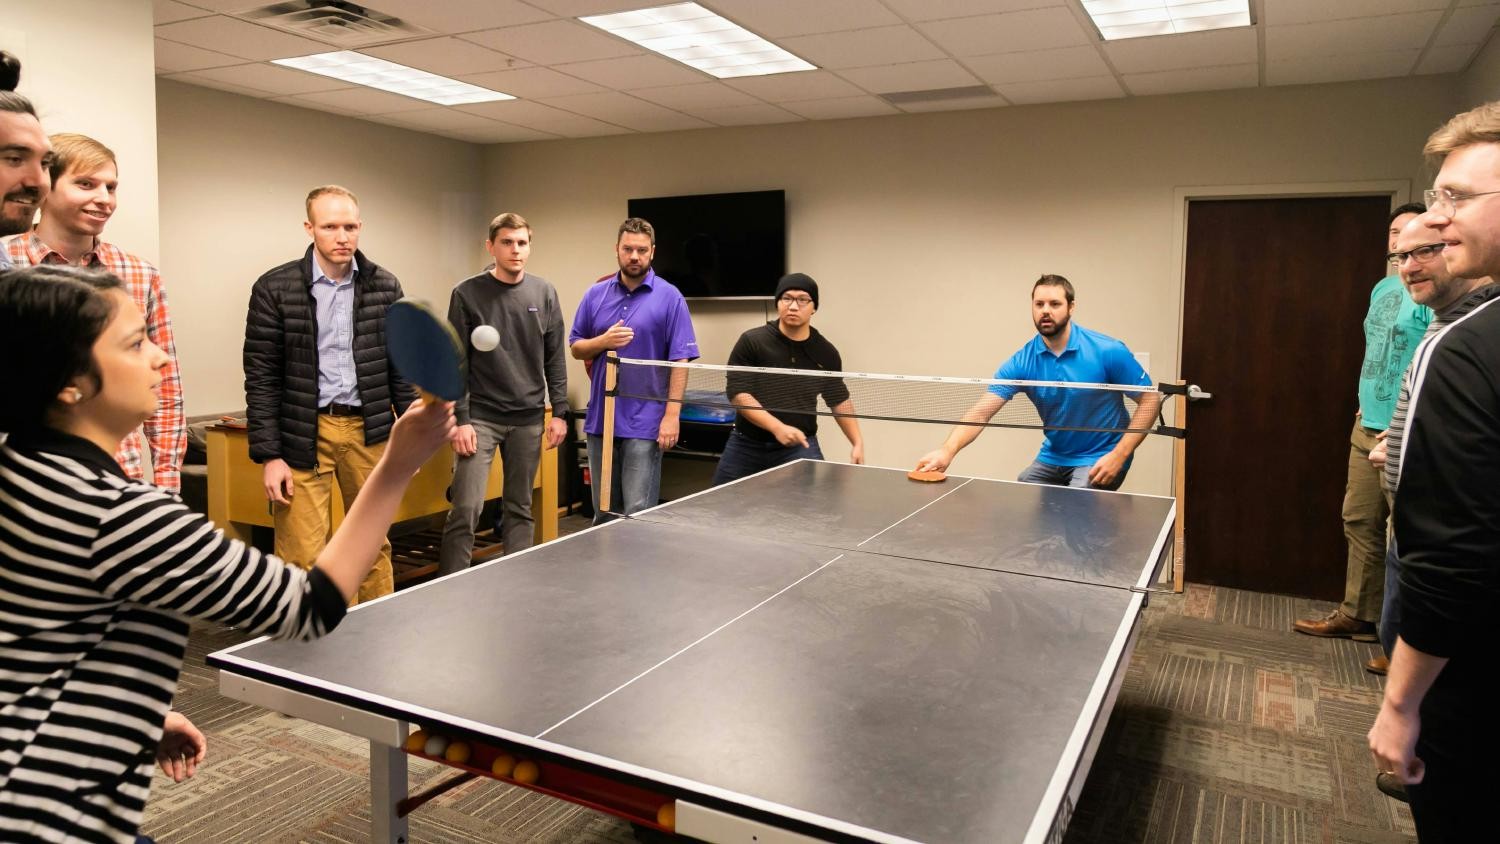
[[99, 574]]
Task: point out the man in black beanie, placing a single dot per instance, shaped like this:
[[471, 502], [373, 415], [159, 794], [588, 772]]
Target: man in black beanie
[[776, 421]]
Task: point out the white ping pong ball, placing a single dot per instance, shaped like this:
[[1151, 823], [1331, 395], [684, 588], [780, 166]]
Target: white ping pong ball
[[485, 338]]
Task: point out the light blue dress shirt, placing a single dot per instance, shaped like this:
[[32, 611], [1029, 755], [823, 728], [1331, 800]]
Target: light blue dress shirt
[[337, 381]]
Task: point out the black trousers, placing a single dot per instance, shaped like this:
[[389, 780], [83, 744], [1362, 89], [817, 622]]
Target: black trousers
[[1460, 745]]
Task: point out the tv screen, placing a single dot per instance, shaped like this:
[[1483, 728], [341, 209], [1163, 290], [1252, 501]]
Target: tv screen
[[719, 245]]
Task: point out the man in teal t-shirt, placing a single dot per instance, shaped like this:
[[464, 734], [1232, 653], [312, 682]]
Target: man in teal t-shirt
[[1393, 327]]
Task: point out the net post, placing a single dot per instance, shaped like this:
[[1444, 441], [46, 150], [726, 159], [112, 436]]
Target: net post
[[605, 474], [1179, 490]]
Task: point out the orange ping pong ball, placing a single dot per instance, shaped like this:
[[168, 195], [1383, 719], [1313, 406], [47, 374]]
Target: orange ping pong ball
[[666, 816], [504, 764], [459, 752], [416, 741], [527, 772]]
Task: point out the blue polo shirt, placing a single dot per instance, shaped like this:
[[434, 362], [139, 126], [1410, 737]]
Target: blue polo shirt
[[663, 331], [1090, 358]]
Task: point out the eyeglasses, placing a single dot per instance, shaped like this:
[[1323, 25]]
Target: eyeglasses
[[1445, 201], [799, 301], [1422, 254]]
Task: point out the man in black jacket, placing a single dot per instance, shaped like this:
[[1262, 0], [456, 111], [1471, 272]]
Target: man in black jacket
[[776, 422], [1436, 731], [318, 385]]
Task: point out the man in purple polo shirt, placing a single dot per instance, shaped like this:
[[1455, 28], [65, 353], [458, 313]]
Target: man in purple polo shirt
[[639, 315]]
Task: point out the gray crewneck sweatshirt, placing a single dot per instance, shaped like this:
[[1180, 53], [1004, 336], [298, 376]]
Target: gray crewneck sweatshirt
[[528, 370]]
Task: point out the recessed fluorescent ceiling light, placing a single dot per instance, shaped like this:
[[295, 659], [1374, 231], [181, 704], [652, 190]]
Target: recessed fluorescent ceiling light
[[691, 34], [396, 78], [1137, 18]]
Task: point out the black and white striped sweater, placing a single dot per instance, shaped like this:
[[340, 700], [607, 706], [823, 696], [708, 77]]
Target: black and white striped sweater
[[99, 576]]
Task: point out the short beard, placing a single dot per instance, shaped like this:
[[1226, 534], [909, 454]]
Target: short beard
[[14, 225], [1057, 327], [641, 274]]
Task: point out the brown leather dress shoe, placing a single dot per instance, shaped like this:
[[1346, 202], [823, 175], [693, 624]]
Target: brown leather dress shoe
[[1336, 625], [1379, 665]]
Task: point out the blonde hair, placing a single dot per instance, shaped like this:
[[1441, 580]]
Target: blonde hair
[[71, 151], [1479, 125], [324, 190], [508, 220]]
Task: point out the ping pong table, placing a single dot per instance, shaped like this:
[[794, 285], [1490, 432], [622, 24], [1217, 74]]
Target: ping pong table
[[819, 651]]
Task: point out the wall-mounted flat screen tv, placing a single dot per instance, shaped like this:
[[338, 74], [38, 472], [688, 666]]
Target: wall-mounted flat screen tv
[[719, 245]]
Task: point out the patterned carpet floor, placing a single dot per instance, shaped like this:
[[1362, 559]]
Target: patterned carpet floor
[[1229, 728]]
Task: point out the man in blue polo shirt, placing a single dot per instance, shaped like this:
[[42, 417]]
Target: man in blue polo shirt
[[1062, 351], [640, 315]]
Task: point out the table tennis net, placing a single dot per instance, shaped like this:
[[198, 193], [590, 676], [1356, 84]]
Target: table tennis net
[[709, 391]]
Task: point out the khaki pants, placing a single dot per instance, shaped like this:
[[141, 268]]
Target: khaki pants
[[304, 525], [1367, 512]]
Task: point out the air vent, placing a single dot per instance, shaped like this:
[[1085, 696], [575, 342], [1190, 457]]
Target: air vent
[[334, 22], [938, 95]]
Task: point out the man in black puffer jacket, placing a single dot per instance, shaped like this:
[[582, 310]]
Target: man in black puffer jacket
[[318, 386]]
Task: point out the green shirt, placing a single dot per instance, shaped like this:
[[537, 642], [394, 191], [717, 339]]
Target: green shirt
[[1393, 328]]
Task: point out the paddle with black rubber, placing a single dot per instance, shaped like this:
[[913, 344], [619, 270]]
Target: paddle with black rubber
[[426, 351]]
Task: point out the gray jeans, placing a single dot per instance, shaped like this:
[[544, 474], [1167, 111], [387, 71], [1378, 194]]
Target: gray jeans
[[520, 452]]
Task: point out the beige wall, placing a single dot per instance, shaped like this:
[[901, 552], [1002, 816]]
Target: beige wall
[[1480, 83], [103, 86], [925, 231], [234, 173]]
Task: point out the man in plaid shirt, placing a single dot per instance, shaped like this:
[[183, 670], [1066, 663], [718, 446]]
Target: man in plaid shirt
[[82, 199]]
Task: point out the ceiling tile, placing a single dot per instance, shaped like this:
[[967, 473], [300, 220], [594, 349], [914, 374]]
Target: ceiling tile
[[1282, 12], [436, 118], [586, 127], [790, 87], [226, 5], [634, 71], [704, 95], [331, 109], [747, 115], [864, 47], [837, 108], [1194, 49], [931, 10], [237, 38], [175, 58], [960, 104], [445, 56], [532, 83], [781, 18], [1468, 26], [170, 11], [1366, 35], [1450, 59], [1182, 81], [628, 111], [365, 101], [454, 16], [223, 86], [1341, 68], [579, 8], [499, 133], [1062, 90], [267, 77], [543, 118], [553, 42], [1037, 29], [1036, 65], [916, 76]]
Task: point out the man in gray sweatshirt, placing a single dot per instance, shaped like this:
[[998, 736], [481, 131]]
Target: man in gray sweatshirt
[[512, 327]]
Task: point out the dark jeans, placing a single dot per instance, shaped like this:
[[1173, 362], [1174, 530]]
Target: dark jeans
[[743, 456], [1390, 606]]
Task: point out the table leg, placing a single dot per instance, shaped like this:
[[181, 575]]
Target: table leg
[[387, 789]]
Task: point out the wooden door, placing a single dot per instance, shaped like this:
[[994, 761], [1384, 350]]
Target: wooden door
[[1274, 306]]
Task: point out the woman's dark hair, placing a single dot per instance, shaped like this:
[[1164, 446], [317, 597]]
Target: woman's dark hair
[[49, 319]]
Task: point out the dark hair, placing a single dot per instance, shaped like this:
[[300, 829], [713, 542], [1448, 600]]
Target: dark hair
[[635, 225], [1408, 208], [10, 79], [50, 317], [1050, 280]]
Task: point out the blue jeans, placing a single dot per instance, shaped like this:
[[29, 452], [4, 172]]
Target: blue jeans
[[1390, 606], [1045, 473], [743, 456], [636, 476]]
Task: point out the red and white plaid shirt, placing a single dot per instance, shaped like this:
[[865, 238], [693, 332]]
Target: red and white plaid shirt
[[166, 430]]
